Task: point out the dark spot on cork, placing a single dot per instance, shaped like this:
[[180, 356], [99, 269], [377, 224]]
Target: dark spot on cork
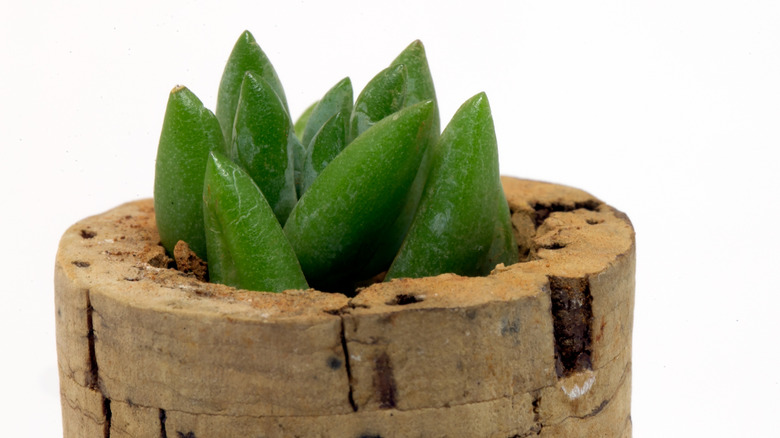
[[509, 327], [81, 264], [163, 418], [334, 363], [185, 435], [554, 245], [87, 234], [404, 299], [572, 319], [107, 416], [369, 435], [593, 221], [384, 382], [471, 314]]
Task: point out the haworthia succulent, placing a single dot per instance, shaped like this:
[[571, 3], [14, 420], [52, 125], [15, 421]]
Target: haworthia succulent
[[337, 99], [246, 56], [263, 142], [335, 224], [383, 95], [462, 222], [189, 133], [327, 143], [419, 87], [246, 245]]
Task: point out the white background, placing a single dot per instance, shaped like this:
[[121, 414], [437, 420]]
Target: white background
[[667, 110]]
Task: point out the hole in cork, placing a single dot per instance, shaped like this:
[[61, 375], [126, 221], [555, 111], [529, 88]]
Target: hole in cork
[[86, 234], [554, 245], [593, 221], [404, 299], [81, 264]]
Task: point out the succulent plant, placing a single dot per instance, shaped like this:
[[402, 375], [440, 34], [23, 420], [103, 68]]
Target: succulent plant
[[348, 193]]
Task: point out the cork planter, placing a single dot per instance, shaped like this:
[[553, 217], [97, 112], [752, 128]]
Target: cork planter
[[539, 348]]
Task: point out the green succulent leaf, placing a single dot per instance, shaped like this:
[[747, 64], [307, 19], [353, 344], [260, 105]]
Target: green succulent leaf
[[247, 248], [462, 223], [329, 141], [419, 87], [419, 82], [299, 151], [382, 96], [263, 143], [246, 56], [337, 99], [300, 124], [189, 133], [357, 197]]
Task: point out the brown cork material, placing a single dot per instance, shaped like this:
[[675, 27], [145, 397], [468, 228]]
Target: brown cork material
[[539, 348]]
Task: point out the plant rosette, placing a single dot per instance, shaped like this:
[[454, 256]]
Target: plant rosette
[[472, 305]]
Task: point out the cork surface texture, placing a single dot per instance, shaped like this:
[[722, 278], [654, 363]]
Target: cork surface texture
[[539, 348]]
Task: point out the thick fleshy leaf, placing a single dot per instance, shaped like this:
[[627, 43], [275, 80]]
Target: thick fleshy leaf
[[382, 96], [299, 151], [419, 87], [325, 146], [336, 100], [263, 142], [189, 133], [419, 83], [246, 56], [357, 197], [462, 220], [246, 245]]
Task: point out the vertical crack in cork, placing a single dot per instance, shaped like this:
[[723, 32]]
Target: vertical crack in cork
[[107, 416], [92, 377], [93, 380], [572, 318], [537, 429], [350, 395], [163, 417]]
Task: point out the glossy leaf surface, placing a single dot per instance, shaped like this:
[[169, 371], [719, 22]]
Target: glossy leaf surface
[[335, 224], [189, 133], [329, 141], [336, 100], [247, 248], [382, 96], [246, 56], [462, 210], [299, 151], [419, 87], [263, 142], [419, 82]]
